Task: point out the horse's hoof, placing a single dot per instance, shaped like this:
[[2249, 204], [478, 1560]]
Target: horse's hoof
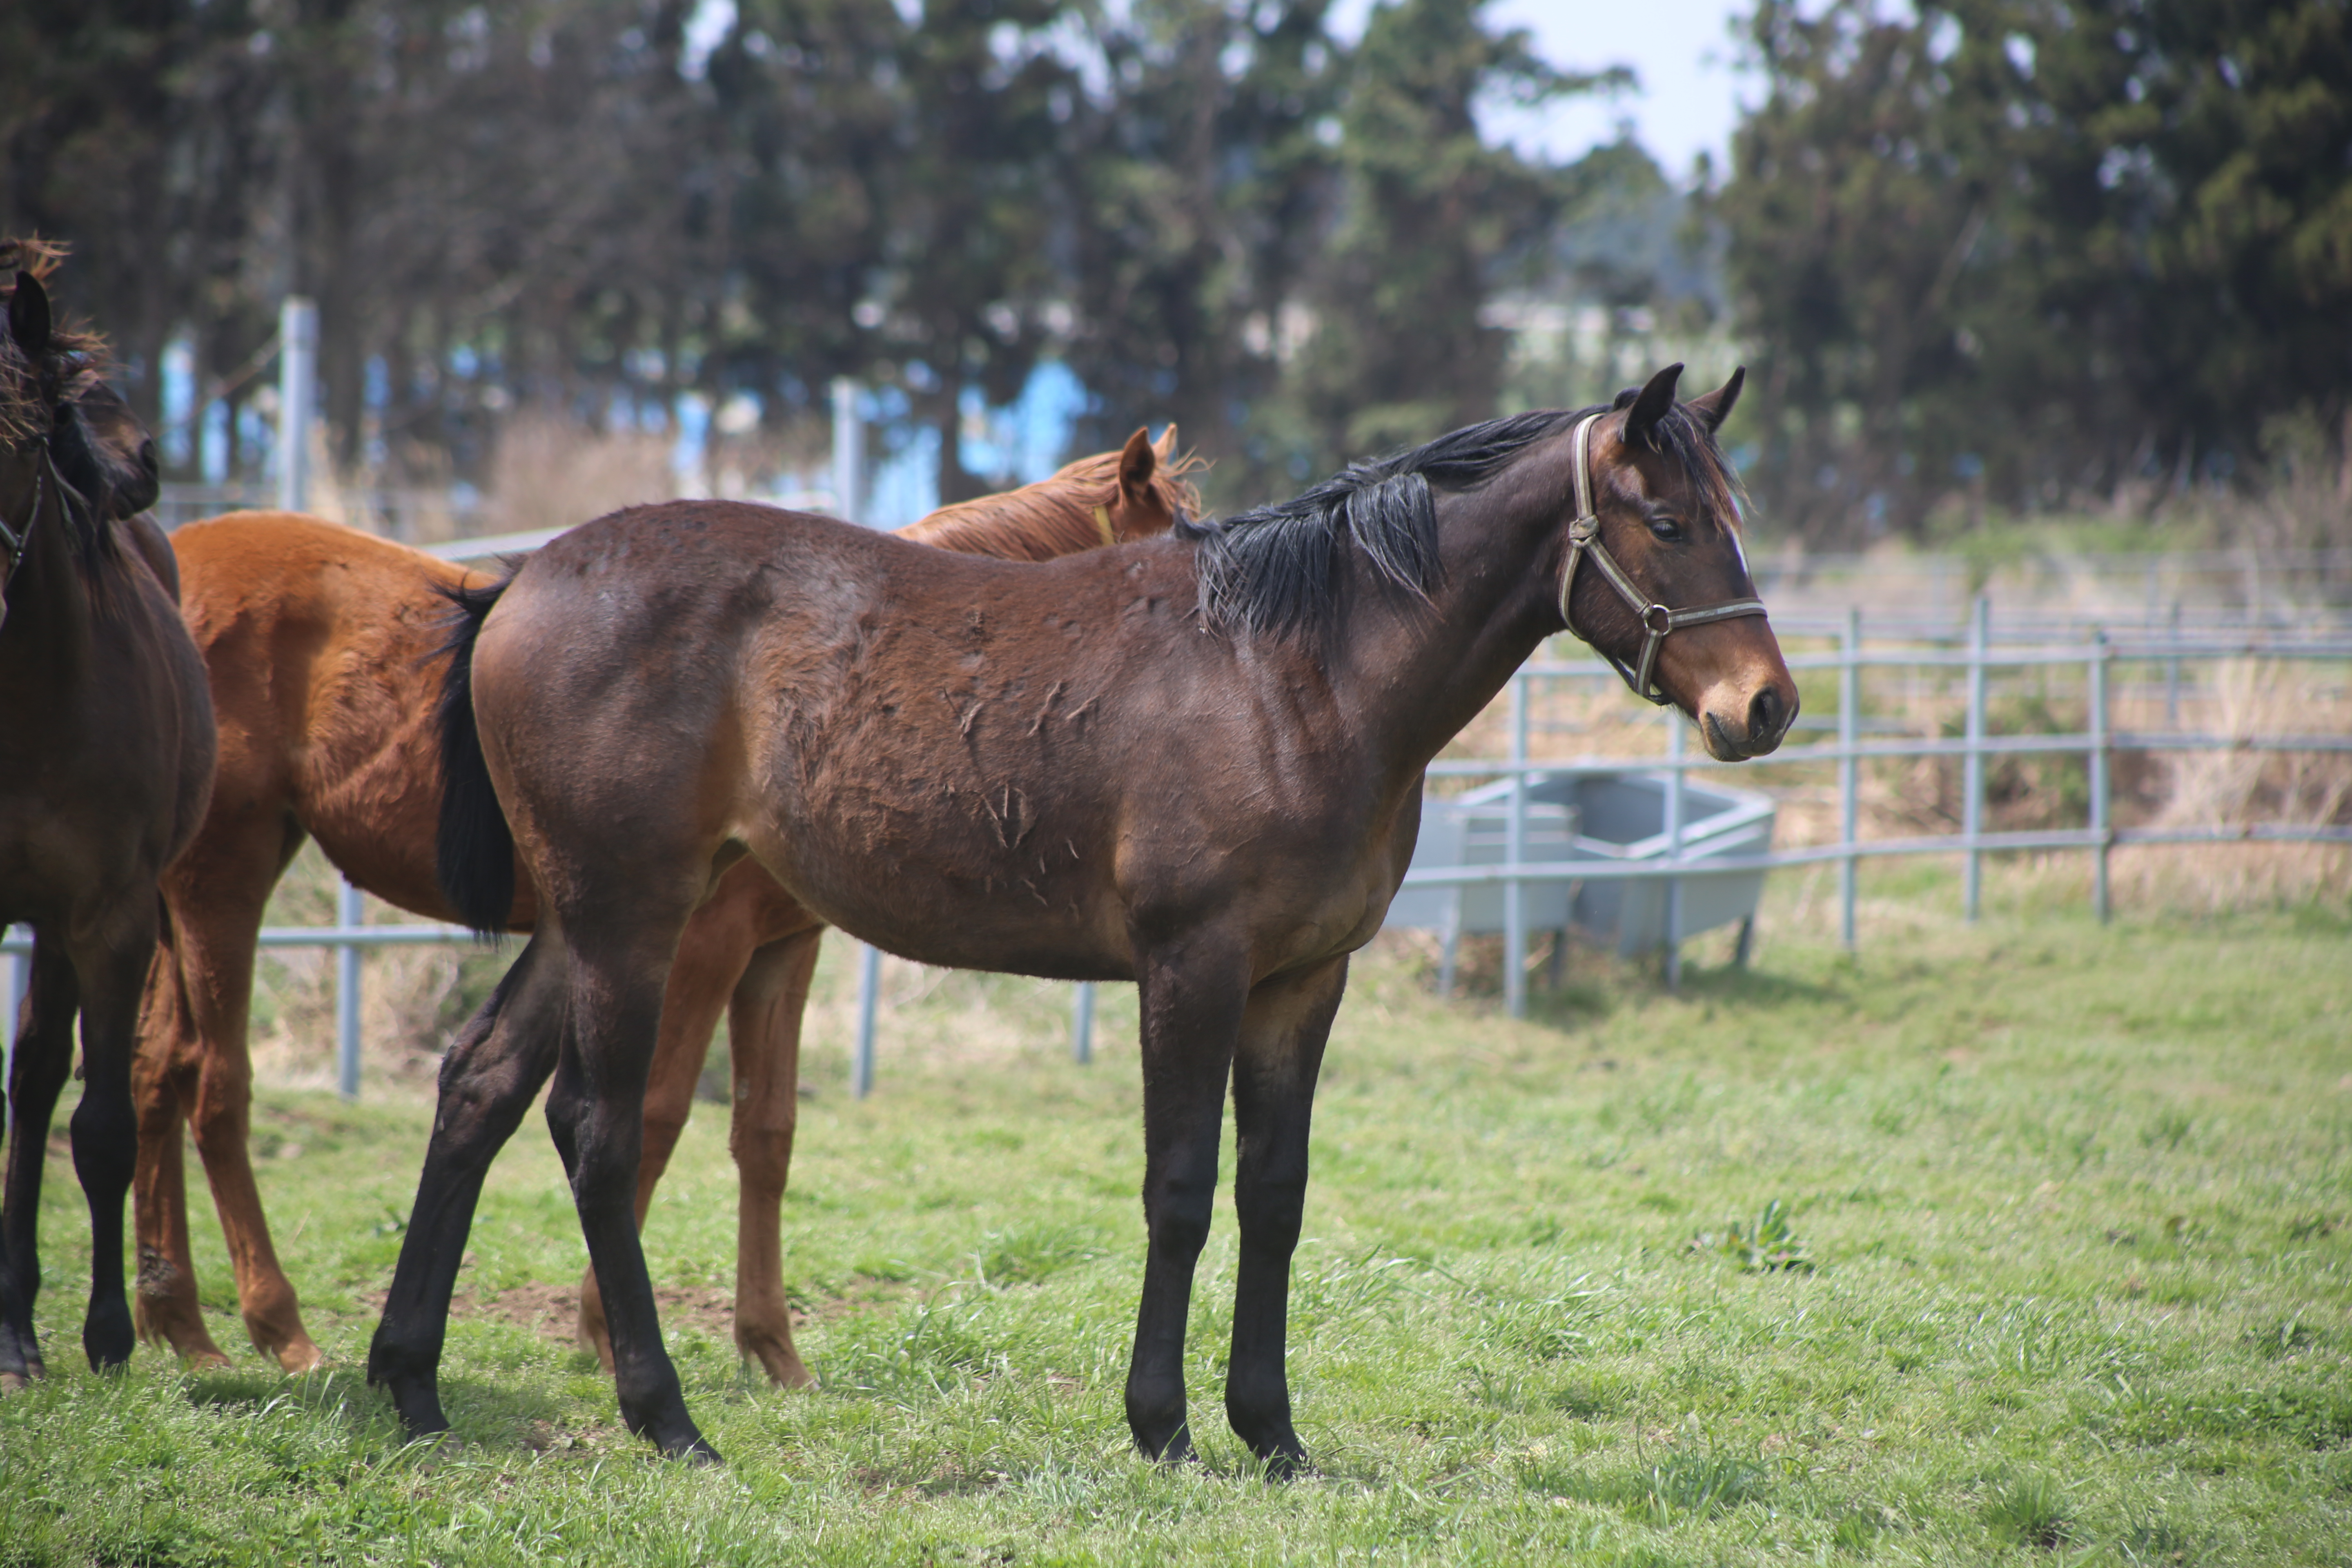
[[14, 1383], [299, 1357], [698, 1453], [1286, 1465]]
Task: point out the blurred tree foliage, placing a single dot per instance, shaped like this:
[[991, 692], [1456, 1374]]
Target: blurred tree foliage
[[2003, 252], [1212, 210], [2038, 251]]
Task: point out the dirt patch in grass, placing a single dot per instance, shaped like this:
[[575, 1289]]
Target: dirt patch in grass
[[555, 1310]]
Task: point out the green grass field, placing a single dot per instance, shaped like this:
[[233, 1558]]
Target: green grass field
[[2069, 1214]]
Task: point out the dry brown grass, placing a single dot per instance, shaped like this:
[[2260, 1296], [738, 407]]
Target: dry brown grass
[[407, 995], [551, 473]]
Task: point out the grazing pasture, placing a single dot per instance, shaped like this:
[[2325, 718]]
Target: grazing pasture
[[2069, 1211]]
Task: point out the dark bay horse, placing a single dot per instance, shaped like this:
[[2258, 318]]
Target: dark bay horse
[[106, 759], [321, 645], [1195, 762]]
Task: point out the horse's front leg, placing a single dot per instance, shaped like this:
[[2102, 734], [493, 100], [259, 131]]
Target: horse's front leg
[[1282, 1033], [1192, 1000], [113, 966], [37, 1076]]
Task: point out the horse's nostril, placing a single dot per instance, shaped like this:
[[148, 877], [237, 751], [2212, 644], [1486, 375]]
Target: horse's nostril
[[1764, 715]]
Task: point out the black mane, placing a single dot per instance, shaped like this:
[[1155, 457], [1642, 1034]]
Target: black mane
[[1278, 569]]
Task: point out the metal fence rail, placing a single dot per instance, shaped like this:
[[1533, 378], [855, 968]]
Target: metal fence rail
[[1980, 654]]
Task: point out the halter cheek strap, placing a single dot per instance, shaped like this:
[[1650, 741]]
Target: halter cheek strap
[[13, 540], [1657, 620]]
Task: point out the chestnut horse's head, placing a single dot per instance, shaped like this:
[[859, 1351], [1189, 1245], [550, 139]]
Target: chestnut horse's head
[[1135, 492], [1655, 576], [69, 447]]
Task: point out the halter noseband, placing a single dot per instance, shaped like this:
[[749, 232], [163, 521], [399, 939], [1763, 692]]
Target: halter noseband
[[1657, 620]]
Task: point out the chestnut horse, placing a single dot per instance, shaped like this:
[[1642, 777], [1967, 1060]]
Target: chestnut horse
[[1195, 762], [106, 756], [321, 645]]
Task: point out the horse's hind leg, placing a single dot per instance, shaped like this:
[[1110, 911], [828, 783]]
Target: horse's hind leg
[[37, 1069], [113, 970], [764, 1035], [1281, 1052], [488, 1078], [596, 1111], [194, 1062], [710, 959]]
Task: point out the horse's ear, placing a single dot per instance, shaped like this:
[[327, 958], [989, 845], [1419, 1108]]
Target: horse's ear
[[1165, 447], [29, 316], [1715, 408], [1651, 407], [1136, 462]]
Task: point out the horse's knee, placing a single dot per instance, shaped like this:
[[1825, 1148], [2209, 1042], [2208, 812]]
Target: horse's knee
[[763, 1154]]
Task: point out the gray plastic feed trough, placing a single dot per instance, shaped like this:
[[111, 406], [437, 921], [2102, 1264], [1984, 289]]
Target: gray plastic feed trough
[[1591, 816]]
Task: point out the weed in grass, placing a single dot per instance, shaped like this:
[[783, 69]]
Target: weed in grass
[[2030, 1510], [1768, 1246]]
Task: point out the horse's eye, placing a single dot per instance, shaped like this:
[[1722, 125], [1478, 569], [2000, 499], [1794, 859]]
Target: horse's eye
[[1666, 529]]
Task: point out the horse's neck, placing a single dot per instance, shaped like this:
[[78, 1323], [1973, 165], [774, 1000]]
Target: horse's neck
[[47, 631], [1034, 523], [1419, 673]]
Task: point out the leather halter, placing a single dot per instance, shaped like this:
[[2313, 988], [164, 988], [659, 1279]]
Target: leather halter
[[1657, 620], [14, 539]]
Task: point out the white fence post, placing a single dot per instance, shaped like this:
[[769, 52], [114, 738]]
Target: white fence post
[[1849, 766], [13, 979], [298, 382], [1082, 1024], [1972, 768], [1515, 845], [848, 493], [348, 915], [1674, 752], [2099, 807], [869, 988]]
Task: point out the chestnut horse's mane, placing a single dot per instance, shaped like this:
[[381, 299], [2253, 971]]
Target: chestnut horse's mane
[[1276, 570], [1054, 517]]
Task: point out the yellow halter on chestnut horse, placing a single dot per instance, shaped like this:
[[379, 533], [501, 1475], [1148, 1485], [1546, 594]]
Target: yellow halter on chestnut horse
[[1193, 762]]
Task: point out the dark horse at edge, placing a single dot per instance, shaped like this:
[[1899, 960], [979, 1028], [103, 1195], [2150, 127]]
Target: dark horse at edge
[[1195, 762], [106, 764]]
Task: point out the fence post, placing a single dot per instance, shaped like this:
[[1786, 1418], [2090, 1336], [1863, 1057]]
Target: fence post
[[2099, 807], [298, 380], [848, 452], [870, 987], [1082, 1024], [2172, 674], [848, 460], [1849, 766], [1675, 753], [13, 970], [1514, 844], [348, 915], [1972, 768]]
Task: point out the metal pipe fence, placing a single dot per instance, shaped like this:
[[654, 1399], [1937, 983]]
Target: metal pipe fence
[[1850, 657]]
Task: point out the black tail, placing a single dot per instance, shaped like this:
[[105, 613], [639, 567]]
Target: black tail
[[474, 850]]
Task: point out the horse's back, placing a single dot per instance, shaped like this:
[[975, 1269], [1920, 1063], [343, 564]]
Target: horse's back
[[320, 643]]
